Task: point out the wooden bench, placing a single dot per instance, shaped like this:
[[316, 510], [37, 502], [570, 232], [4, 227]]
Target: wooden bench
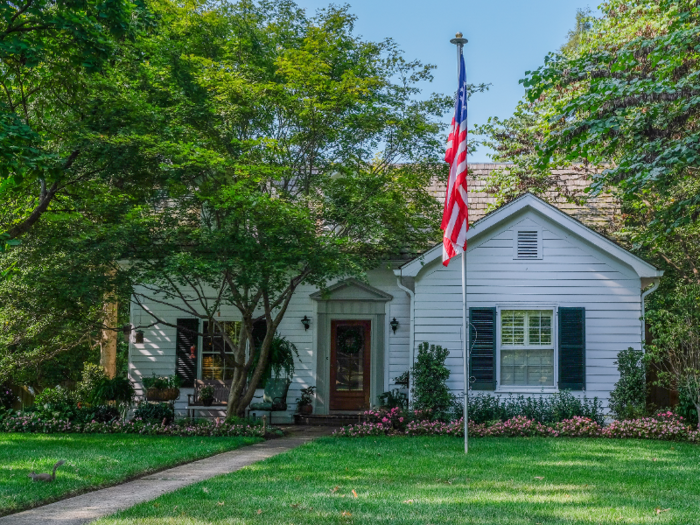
[[222, 388]]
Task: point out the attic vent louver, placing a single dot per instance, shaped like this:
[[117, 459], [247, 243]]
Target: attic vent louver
[[528, 245]]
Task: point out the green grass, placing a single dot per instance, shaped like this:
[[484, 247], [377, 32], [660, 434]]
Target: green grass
[[91, 461], [505, 481]]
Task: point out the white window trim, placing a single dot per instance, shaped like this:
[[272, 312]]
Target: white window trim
[[555, 341], [537, 229]]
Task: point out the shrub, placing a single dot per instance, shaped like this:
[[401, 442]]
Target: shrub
[[628, 398], [59, 403], [93, 375], [162, 413], [30, 422], [665, 426], [686, 407], [392, 399], [430, 391], [553, 408], [7, 398], [118, 389]]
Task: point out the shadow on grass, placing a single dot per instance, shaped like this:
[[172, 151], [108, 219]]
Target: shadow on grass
[[511, 481], [92, 461]]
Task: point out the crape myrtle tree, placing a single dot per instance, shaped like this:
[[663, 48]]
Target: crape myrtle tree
[[311, 163]]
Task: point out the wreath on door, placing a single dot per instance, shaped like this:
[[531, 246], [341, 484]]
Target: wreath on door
[[351, 340]]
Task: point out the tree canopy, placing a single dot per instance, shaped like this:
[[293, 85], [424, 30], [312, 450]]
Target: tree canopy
[[229, 152]]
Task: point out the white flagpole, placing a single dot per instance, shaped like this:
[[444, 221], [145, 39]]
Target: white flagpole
[[459, 41]]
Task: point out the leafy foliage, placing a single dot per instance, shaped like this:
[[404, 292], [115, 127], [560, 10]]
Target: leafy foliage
[[628, 398], [307, 396], [7, 398], [281, 358], [676, 345], [161, 382], [155, 412], [393, 399], [118, 389], [430, 390], [542, 409]]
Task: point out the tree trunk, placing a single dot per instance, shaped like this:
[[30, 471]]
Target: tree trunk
[[108, 345]]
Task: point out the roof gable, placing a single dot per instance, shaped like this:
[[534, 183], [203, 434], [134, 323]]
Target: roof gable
[[528, 201], [351, 290]]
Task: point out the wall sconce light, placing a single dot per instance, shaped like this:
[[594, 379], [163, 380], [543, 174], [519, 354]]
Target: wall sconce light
[[193, 355], [306, 322], [394, 324], [139, 337]]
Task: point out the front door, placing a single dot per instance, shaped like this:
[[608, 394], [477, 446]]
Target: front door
[[350, 365]]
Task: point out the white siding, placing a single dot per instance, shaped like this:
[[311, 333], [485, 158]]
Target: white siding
[[157, 353], [570, 273]]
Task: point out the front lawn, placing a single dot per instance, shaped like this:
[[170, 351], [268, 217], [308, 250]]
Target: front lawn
[[92, 461], [505, 481]]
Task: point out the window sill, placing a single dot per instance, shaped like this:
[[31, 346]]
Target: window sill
[[527, 390]]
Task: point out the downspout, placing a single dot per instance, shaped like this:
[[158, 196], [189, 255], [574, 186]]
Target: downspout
[[411, 332], [654, 286]]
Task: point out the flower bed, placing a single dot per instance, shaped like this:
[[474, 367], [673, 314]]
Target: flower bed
[[32, 423], [664, 426]]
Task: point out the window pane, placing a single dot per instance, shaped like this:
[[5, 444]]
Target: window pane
[[527, 367], [540, 327], [512, 327], [212, 367]]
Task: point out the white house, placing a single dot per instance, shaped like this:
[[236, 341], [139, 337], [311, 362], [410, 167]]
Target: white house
[[551, 304]]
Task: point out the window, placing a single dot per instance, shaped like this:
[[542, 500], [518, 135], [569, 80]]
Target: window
[[527, 348], [214, 365]]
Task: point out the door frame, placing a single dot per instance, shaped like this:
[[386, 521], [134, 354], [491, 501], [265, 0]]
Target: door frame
[[366, 364], [349, 300]]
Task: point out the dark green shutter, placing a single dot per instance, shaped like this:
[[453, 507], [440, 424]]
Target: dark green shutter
[[186, 367], [572, 348], [482, 341]]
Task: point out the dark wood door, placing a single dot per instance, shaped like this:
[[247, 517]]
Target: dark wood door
[[350, 365]]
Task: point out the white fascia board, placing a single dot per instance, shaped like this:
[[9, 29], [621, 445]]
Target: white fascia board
[[641, 267]]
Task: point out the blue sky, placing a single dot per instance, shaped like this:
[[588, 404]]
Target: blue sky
[[506, 38]]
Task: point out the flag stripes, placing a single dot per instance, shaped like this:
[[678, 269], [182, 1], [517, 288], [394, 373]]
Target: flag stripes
[[455, 216]]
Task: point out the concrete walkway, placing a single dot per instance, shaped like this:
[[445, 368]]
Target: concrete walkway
[[92, 505]]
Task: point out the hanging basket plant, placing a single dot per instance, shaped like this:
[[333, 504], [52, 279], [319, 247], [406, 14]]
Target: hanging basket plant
[[164, 388]]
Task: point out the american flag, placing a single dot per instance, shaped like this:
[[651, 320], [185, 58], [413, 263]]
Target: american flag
[[455, 216]]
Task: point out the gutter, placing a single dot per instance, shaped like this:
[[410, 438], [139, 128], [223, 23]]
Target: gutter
[[411, 332], [654, 286]]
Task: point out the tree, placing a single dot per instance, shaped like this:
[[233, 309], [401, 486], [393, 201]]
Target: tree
[[676, 346], [312, 163], [622, 104], [575, 36], [50, 55]]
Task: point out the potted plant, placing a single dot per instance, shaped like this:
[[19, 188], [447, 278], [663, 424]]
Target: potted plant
[[206, 395], [304, 405], [162, 388]]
